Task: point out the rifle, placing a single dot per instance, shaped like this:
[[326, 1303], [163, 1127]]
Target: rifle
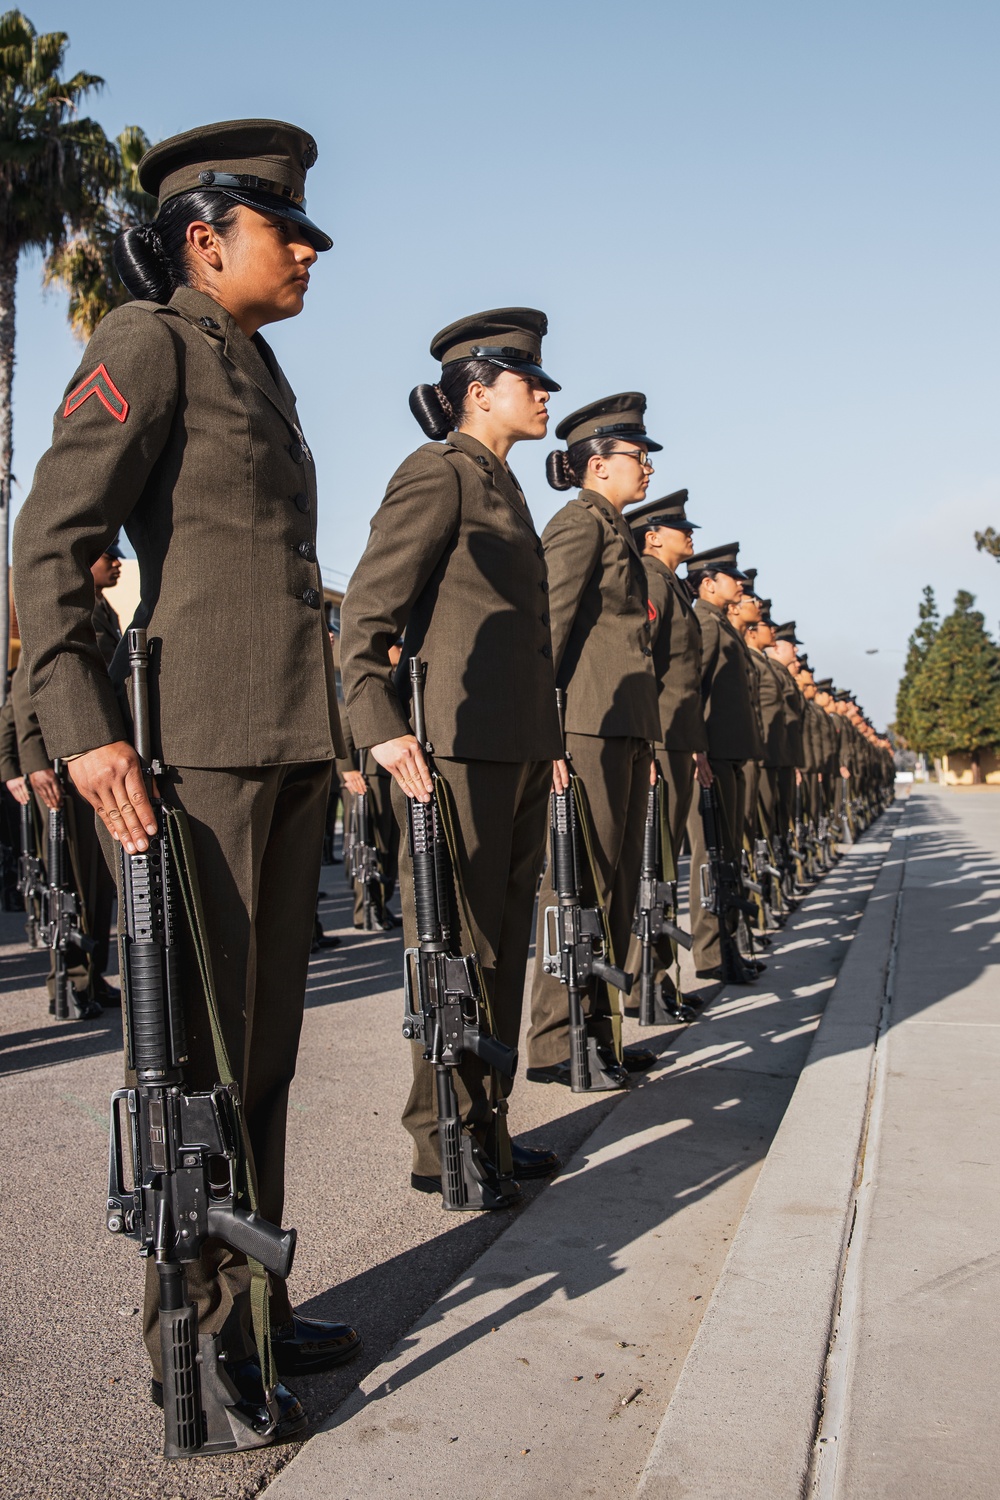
[[769, 876], [722, 892], [361, 855], [655, 912], [60, 926], [31, 877], [847, 811], [576, 946], [189, 1172], [443, 992]]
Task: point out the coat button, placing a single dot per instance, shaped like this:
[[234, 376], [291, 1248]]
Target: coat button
[[307, 550], [543, 584], [545, 650], [483, 463], [295, 452], [540, 550], [312, 597], [207, 323], [544, 619], [301, 502], [646, 651]]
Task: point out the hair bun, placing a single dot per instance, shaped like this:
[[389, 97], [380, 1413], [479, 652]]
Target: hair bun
[[432, 410], [558, 472], [143, 264]]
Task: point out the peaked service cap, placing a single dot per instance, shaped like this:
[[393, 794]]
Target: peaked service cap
[[670, 511], [261, 163], [719, 560], [622, 416], [510, 337], [786, 632]]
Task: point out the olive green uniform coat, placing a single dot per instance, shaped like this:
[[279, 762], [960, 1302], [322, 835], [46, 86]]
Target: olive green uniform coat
[[676, 641], [183, 431], [454, 561], [727, 696], [771, 698], [601, 641]]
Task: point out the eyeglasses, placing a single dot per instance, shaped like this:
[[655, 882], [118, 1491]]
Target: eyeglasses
[[642, 459]]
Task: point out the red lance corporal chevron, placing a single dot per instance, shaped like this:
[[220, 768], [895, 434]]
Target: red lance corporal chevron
[[98, 384]]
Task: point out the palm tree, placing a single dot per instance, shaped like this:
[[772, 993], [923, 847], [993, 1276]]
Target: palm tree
[[83, 264], [55, 170]]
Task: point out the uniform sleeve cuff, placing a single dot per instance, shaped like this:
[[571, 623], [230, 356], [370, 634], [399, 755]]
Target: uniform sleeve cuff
[[376, 715], [77, 709]]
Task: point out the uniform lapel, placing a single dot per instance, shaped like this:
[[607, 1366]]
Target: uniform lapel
[[614, 519], [490, 468], [256, 363]]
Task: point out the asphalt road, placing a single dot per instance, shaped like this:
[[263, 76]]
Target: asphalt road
[[76, 1417]]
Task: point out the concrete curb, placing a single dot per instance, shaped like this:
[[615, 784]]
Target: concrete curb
[[743, 1418]]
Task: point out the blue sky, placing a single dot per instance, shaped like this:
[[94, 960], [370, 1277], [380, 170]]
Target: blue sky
[[779, 220]]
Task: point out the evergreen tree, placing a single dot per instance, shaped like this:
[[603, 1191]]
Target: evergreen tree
[[919, 644], [988, 541], [56, 166], [955, 700]]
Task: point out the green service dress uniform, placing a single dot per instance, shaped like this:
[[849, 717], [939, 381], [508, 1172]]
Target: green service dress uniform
[[603, 658], [733, 739], [183, 431], [454, 561]]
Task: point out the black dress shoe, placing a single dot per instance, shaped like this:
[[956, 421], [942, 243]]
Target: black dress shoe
[[557, 1073], [637, 1059], [106, 995], [328, 940], [246, 1377], [506, 1199], [307, 1345], [83, 1007], [606, 1073], [530, 1162], [746, 973]]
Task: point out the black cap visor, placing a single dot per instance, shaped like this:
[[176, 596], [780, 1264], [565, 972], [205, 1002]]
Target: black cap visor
[[519, 367], [628, 434], [675, 523], [281, 208]]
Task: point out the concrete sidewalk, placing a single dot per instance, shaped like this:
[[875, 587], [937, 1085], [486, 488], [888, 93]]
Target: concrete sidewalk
[[546, 1369], [850, 1347]]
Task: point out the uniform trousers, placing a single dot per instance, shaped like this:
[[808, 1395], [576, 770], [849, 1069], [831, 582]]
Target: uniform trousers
[[786, 794], [385, 830], [769, 793], [677, 767], [615, 774], [751, 777], [500, 810], [730, 791], [257, 836]]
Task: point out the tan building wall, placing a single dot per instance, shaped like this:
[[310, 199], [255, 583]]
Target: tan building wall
[[956, 770]]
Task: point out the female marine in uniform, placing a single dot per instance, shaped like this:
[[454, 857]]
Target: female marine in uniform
[[454, 561], [180, 427], [603, 658]]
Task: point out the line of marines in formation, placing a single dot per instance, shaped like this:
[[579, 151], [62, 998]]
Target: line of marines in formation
[[682, 683], [580, 666], [537, 727]]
